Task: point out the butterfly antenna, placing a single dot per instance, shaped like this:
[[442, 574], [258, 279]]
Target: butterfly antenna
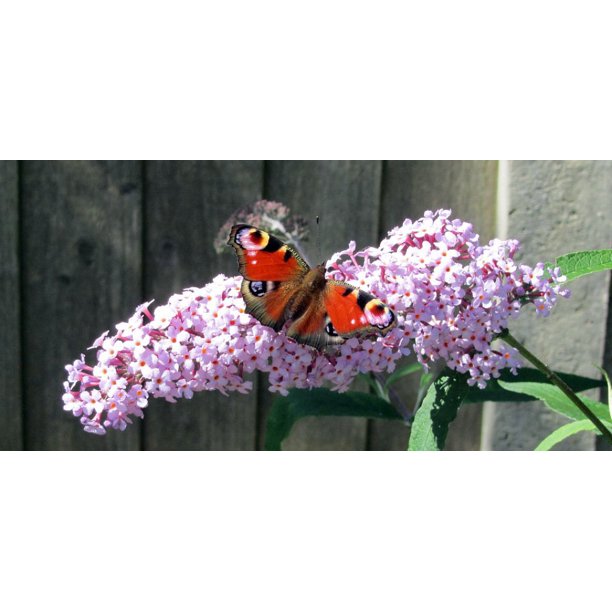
[[318, 238]]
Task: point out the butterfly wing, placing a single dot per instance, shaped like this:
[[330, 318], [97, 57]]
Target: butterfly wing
[[278, 286], [263, 257], [341, 311], [272, 272], [313, 326], [353, 312], [269, 301]]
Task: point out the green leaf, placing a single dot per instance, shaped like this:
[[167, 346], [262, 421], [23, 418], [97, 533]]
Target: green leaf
[[403, 371], [494, 392], [565, 431], [379, 389], [425, 380], [555, 399], [302, 403], [605, 375], [575, 265], [438, 410], [375, 385]]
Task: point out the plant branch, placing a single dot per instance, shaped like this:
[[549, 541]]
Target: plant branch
[[507, 337], [397, 402]]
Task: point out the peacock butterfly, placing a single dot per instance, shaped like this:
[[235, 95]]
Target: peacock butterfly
[[279, 286]]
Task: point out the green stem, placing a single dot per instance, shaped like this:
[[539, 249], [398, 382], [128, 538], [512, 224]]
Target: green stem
[[397, 402], [507, 337]]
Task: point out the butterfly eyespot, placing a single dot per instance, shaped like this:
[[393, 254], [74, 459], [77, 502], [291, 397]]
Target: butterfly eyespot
[[376, 307], [252, 239], [257, 288], [329, 329], [378, 314]]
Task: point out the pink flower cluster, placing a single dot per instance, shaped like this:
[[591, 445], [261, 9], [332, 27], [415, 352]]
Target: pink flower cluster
[[202, 340], [451, 294], [451, 297]]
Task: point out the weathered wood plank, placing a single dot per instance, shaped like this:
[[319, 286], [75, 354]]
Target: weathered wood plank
[[10, 355], [81, 253], [186, 204], [469, 188], [346, 196]]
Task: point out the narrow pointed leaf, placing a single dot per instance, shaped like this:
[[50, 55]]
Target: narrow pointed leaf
[[438, 410], [605, 375], [565, 431], [375, 385], [302, 403], [575, 265], [494, 392], [403, 371], [366, 378], [555, 399]]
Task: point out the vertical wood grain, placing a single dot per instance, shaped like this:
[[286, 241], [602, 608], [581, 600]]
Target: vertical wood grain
[[82, 241], [81, 254], [346, 196], [10, 340], [186, 204], [469, 188]]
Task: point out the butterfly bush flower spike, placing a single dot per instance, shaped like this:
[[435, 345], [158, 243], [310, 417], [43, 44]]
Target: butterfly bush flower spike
[[451, 297]]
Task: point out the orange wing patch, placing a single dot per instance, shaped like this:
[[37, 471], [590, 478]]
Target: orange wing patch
[[264, 257], [352, 311], [313, 328], [267, 301]]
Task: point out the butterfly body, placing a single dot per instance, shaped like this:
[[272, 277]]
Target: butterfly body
[[280, 287]]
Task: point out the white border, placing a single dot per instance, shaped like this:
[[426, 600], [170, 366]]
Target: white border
[[304, 531]]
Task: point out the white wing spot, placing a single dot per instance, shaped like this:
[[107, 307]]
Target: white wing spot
[[352, 321]]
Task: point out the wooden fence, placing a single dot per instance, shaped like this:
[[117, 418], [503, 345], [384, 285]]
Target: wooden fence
[[82, 243]]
